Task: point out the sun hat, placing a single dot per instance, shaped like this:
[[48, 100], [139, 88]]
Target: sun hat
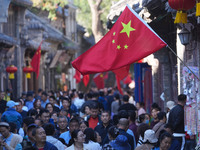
[[4, 124], [149, 135], [11, 104], [120, 143], [170, 104]]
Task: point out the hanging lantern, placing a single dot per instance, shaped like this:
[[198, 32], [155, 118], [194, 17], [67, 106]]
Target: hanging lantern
[[28, 71], [11, 70], [198, 8], [181, 6]]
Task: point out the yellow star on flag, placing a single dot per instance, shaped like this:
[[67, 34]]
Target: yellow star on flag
[[127, 28], [126, 46], [113, 41], [118, 46]]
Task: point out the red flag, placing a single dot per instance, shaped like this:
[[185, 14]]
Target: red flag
[[77, 76], [118, 84], [121, 73], [128, 79], [86, 79], [35, 62], [129, 40], [99, 80]]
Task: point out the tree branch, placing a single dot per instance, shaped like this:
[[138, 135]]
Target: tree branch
[[98, 2]]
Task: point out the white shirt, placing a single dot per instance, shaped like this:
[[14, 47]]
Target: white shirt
[[55, 142]]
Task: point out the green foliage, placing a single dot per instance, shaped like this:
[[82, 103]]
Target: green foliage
[[50, 6], [84, 14]]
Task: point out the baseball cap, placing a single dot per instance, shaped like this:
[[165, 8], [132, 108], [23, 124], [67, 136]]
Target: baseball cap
[[150, 136], [170, 104], [11, 104]]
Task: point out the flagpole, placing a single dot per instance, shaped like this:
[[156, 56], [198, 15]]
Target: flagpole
[[182, 62]]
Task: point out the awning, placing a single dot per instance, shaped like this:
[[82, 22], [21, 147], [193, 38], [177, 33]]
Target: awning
[[25, 3], [7, 41]]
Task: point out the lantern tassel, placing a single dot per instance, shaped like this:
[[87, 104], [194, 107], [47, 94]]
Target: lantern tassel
[[28, 75], [181, 17], [11, 76], [198, 9]]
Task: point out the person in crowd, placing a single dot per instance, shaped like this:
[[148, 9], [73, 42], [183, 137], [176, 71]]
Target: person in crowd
[[175, 144], [62, 125], [140, 108], [44, 115], [116, 104], [176, 119], [94, 118], [37, 105], [54, 102], [123, 126], [121, 143], [78, 138], [29, 100], [26, 122], [20, 110], [8, 95], [39, 122], [28, 140], [154, 113], [131, 97], [32, 113], [2, 102], [40, 139], [140, 131], [98, 138], [13, 127], [50, 131], [54, 117], [147, 118], [66, 104], [90, 140], [132, 124], [110, 97], [44, 99], [79, 101], [113, 132], [39, 94], [141, 119], [170, 105], [83, 125], [104, 125], [149, 141], [11, 115], [8, 140], [73, 125], [127, 106], [49, 107], [160, 125], [164, 141], [102, 100]]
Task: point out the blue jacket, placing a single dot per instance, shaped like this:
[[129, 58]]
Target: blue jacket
[[11, 115], [47, 146]]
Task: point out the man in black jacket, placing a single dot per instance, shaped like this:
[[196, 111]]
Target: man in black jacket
[[176, 119]]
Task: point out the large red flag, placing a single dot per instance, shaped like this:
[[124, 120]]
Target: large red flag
[[35, 62], [99, 80], [129, 40]]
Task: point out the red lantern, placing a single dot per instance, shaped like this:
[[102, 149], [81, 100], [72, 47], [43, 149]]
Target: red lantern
[[11, 70], [28, 71], [181, 6]]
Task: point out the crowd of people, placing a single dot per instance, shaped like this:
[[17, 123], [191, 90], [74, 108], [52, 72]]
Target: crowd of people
[[98, 120]]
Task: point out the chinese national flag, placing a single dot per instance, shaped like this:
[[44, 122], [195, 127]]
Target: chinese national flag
[[77, 76], [35, 62], [86, 79], [128, 79], [99, 80], [129, 40]]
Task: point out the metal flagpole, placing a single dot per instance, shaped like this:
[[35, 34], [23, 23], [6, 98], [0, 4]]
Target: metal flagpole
[[183, 62]]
